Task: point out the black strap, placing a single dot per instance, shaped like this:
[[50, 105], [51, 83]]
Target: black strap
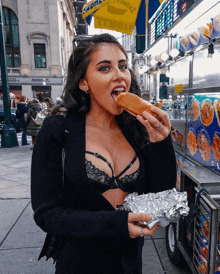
[[64, 156], [102, 158], [107, 162], [127, 167]]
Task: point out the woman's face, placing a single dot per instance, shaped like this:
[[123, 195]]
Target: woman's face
[[107, 74]]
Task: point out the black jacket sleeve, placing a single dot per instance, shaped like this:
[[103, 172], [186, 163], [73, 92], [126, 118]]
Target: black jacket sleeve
[[29, 112], [48, 194], [160, 166]]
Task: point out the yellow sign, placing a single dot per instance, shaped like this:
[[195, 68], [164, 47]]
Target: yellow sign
[[93, 6], [179, 88], [120, 16]]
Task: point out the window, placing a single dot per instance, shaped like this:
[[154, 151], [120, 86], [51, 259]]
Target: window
[[141, 79], [13, 58], [40, 56]]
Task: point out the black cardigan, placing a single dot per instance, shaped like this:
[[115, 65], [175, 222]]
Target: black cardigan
[[91, 227]]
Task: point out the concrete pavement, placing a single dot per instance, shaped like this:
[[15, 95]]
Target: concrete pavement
[[21, 239]]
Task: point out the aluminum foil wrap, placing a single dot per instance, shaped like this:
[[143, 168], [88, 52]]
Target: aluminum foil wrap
[[165, 207]]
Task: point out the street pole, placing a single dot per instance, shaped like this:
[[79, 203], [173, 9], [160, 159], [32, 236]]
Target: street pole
[[8, 135]]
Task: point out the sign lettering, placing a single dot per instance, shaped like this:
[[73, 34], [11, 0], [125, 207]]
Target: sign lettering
[[166, 15]]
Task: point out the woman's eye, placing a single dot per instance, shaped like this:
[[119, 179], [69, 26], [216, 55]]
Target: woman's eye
[[123, 67], [104, 68]]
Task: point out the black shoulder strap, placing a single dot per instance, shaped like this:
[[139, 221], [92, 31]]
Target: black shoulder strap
[[64, 155], [102, 158], [128, 166]]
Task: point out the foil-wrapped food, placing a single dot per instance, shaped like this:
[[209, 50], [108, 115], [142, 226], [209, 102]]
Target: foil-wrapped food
[[165, 206]]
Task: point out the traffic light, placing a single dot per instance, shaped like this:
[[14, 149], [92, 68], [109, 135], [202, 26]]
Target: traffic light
[[140, 43]]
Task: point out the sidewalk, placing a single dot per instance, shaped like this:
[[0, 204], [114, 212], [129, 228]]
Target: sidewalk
[[21, 239]]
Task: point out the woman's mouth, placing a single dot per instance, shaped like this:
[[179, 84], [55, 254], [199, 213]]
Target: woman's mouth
[[116, 92]]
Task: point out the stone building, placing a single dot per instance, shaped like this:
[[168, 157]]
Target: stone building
[[39, 35]]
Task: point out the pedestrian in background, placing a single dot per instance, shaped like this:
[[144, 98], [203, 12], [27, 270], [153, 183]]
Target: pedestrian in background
[[108, 154], [58, 101], [49, 102], [13, 100], [32, 127], [47, 105], [21, 113], [59, 110]]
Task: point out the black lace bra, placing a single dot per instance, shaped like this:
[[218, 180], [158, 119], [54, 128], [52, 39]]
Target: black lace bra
[[103, 181]]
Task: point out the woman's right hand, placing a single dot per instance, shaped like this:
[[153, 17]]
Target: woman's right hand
[[136, 230]]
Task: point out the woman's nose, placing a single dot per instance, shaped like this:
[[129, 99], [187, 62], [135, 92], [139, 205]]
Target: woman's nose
[[118, 74]]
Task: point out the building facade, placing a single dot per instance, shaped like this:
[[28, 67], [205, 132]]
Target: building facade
[[39, 35], [137, 61]]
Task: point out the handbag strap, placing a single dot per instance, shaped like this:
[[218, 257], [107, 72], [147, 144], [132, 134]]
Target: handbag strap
[[64, 156]]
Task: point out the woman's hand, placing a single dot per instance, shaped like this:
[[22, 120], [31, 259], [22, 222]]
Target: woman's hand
[[137, 230], [157, 131]]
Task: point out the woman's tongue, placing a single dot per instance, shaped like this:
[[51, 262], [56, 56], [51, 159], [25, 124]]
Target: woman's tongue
[[114, 96]]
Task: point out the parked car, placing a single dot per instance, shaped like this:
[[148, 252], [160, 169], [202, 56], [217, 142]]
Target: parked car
[[14, 120]]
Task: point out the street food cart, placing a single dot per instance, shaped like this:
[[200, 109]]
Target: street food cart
[[192, 32], [196, 140]]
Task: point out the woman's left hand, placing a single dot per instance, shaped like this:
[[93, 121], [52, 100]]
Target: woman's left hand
[[157, 130]]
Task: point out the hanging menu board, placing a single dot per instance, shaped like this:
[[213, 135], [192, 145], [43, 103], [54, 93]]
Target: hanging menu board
[[166, 15], [203, 130]]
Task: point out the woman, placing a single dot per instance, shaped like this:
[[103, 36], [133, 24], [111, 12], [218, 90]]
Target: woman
[[32, 127], [109, 153], [21, 111], [59, 110], [47, 106]]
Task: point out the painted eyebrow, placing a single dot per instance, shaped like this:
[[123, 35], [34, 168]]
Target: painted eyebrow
[[109, 62]]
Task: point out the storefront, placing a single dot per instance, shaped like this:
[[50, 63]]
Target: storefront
[[16, 90], [35, 87], [41, 92], [14, 94]]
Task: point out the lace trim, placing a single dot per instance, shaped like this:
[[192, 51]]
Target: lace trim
[[97, 174], [131, 177], [100, 176]]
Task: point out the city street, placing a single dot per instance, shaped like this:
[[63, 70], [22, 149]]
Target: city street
[[29, 140], [83, 55], [21, 239]]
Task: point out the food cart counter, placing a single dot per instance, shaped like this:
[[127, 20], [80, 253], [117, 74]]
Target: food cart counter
[[198, 233], [195, 238]]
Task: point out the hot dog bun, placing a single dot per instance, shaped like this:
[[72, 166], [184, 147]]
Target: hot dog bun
[[135, 104]]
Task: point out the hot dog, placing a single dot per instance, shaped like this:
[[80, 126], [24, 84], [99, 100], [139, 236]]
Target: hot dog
[[135, 104]]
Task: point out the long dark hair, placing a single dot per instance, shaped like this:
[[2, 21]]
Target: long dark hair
[[78, 102]]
